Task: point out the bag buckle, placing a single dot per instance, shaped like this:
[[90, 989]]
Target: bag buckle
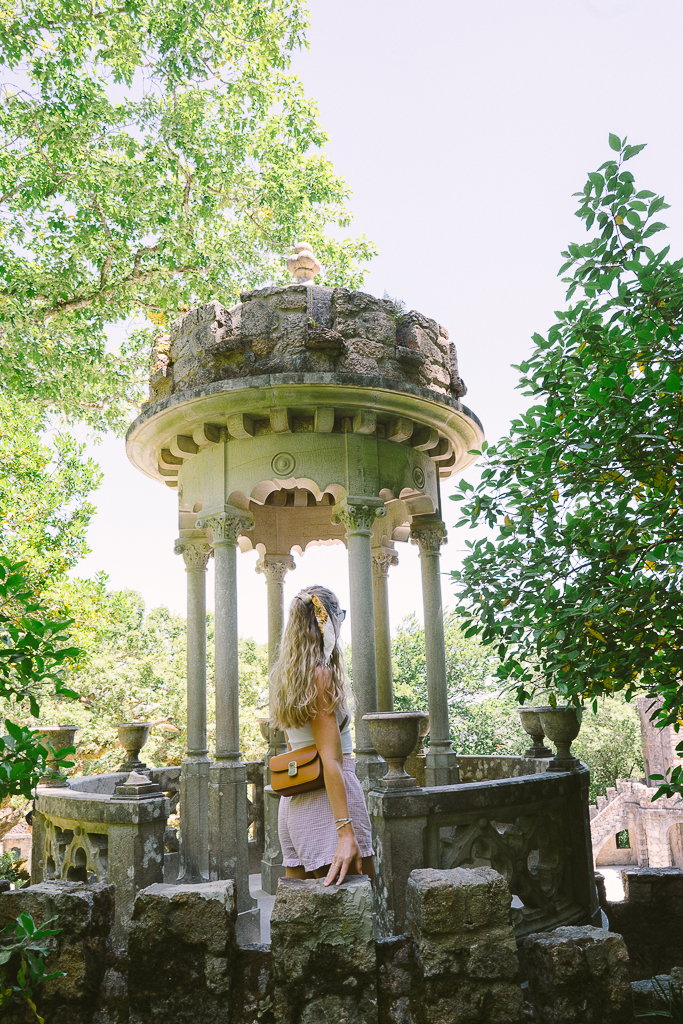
[[292, 768]]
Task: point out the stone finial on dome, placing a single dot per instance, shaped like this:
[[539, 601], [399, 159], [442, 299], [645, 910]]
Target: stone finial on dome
[[303, 264]]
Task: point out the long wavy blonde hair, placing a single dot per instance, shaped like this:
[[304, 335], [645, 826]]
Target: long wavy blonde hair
[[301, 651]]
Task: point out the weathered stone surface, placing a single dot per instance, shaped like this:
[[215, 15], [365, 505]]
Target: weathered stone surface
[[651, 994], [650, 918], [304, 329], [399, 981], [323, 949], [465, 946], [181, 952], [85, 917], [579, 974]]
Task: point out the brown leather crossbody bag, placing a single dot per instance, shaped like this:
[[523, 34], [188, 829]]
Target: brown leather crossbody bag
[[298, 771]]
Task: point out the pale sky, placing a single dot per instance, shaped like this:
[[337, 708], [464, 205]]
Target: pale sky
[[462, 129]]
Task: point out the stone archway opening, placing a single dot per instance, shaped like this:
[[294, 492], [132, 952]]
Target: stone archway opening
[[619, 848]]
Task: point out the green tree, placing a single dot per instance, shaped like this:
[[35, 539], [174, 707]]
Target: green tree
[[581, 571], [485, 720], [610, 744], [34, 650], [482, 720], [44, 489], [152, 156], [133, 668]]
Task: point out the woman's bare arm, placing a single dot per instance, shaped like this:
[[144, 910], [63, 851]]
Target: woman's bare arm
[[327, 738]]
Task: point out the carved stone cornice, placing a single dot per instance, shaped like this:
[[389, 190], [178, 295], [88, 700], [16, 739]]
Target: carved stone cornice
[[429, 536], [358, 514], [275, 567], [195, 552], [382, 561], [226, 525]]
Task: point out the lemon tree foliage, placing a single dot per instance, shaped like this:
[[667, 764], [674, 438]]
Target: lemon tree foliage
[[580, 574], [152, 156]]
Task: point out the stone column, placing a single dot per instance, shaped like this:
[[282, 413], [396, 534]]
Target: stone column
[[358, 514], [274, 568], [441, 767], [194, 775], [228, 828], [382, 559]]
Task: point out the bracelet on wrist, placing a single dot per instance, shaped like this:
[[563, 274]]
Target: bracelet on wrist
[[342, 823]]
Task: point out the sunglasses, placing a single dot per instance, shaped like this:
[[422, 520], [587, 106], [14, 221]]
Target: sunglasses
[[342, 615]]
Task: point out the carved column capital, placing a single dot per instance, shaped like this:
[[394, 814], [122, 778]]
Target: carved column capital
[[382, 561], [275, 567], [226, 526], [429, 536], [195, 552], [358, 514]]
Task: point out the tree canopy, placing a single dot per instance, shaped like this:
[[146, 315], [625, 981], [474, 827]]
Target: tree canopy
[[579, 575], [152, 156]]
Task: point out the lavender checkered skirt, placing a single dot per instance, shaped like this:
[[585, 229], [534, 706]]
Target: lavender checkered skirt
[[306, 824]]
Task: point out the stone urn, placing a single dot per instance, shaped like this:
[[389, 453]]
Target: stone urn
[[132, 737], [56, 738], [416, 762], [561, 726], [394, 735], [531, 723], [264, 728]]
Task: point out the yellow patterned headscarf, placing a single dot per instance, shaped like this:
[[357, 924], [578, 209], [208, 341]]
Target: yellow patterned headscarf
[[325, 624]]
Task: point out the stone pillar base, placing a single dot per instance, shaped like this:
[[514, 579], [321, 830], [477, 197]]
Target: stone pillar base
[[194, 782], [369, 770], [271, 864], [441, 767], [228, 831]]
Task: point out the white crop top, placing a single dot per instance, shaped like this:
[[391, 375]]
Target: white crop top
[[303, 737]]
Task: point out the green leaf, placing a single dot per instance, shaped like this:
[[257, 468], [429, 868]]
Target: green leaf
[[615, 142]]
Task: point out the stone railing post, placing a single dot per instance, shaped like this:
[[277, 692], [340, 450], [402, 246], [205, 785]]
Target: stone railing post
[[228, 818], [324, 954], [274, 567], [465, 945], [441, 767], [194, 776], [358, 514], [578, 974], [182, 952], [382, 560]]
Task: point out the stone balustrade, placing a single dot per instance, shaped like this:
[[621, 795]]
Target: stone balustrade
[[533, 829]]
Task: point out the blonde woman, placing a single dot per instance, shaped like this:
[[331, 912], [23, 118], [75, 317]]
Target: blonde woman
[[326, 832]]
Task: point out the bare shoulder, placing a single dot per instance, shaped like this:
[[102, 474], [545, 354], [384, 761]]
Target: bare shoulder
[[323, 678]]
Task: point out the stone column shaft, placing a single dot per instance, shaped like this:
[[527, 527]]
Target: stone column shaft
[[274, 567], [358, 515], [382, 559], [228, 839], [194, 776], [226, 652], [441, 767]]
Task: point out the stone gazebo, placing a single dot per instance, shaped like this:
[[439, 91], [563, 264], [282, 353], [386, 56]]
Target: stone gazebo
[[303, 415]]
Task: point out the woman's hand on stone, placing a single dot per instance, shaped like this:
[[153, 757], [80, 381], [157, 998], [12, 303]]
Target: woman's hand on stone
[[347, 858]]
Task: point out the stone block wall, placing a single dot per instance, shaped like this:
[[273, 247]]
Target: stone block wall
[[465, 946], [299, 329], [458, 963], [578, 975], [94, 974], [650, 918]]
